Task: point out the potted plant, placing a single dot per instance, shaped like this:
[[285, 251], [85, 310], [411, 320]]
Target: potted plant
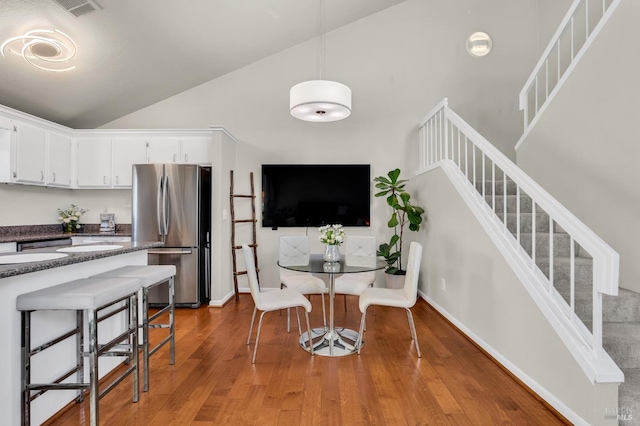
[[402, 213]]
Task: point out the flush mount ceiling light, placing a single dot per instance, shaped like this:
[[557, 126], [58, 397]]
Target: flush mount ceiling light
[[44, 49], [479, 44], [320, 100]]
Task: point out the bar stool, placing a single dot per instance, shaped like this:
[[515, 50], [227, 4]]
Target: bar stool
[[151, 276], [90, 296]]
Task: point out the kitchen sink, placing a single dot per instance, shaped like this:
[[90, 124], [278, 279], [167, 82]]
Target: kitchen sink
[[30, 257], [85, 249]]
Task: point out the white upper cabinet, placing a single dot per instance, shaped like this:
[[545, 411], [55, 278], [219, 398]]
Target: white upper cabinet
[[164, 150], [59, 157], [94, 162], [196, 150], [126, 152], [7, 151], [30, 153]]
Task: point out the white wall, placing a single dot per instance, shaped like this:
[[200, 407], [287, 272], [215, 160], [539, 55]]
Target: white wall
[[486, 299], [588, 139], [399, 63]]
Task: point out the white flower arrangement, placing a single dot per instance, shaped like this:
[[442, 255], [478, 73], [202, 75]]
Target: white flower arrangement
[[70, 217], [332, 235]]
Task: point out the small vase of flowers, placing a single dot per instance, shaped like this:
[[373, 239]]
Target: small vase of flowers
[[332, 236], [70, 218]]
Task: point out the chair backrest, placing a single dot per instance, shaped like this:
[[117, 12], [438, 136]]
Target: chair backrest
[[360, 250], [413, 270], [294, 250], [360, 245], [254, 287]]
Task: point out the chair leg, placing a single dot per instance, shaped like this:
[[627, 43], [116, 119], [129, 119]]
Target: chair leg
[[253, 318], [345, 302], [255, 349], [298, 318], [361, 331], [412, 327], [288, 320], [306, 314]]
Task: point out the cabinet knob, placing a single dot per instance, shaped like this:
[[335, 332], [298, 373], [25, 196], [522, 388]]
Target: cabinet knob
[[15, 175], [186, 158], [174, 158], [117, 180], [41, 176], [104, 179], [54, 176]]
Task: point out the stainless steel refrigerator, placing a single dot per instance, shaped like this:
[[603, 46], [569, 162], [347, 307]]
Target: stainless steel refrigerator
[[172, 203]]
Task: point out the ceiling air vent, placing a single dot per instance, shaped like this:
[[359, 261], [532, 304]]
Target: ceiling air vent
[[78, 7]]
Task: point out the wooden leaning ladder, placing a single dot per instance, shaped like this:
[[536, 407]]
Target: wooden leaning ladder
[[234, 222]]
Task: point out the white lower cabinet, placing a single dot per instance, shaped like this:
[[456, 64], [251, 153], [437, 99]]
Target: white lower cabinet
[[94, 162], [8, 247], [77, 241]]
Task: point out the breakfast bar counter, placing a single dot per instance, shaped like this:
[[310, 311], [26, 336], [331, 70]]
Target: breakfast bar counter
[[20, 278]]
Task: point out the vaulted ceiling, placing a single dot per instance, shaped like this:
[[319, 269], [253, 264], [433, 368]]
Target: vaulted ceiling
[[133, 53]]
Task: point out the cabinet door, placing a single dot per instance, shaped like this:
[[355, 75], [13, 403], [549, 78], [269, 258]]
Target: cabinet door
[[94, 162], [8, 247], [196, 150], [58, 160], [126, 152], [30, 163], [166, 150], [7, 151]]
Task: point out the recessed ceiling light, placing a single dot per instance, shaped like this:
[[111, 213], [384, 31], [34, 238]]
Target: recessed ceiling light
[[479, 44], [44, 49]]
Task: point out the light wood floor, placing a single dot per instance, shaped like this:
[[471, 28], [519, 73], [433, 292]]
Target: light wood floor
[[214, 383]]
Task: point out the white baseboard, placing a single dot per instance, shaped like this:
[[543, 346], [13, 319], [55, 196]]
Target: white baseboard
[[543, 393]]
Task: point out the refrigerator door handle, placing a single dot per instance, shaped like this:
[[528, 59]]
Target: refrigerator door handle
[[158, 206], [166, 206]]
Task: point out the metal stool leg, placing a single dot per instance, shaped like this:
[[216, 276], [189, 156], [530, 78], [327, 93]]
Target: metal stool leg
[[172, 344], [145, 339], [94, 395]]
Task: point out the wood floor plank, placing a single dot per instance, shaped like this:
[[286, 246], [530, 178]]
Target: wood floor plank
[[214, 382]]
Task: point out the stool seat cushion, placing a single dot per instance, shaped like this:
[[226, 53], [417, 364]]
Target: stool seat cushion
[[147, 274], [87, 293]]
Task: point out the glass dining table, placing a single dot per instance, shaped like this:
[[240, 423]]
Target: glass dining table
[[334, 341]]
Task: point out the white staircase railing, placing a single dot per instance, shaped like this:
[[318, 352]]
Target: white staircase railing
[[487, 176], [581, 24]]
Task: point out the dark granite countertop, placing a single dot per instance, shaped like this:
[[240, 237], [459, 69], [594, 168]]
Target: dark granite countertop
[[14, 269], [21, 234]]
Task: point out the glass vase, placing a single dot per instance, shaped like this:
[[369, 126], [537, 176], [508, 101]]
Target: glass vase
[[331, 253]]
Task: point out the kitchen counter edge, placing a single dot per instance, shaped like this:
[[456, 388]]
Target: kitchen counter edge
[[26, 268]]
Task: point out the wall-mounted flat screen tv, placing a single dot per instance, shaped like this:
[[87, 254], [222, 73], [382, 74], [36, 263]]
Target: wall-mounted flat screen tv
[[315, 194]]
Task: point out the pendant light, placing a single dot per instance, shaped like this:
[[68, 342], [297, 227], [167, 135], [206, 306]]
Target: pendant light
[[320, 100]]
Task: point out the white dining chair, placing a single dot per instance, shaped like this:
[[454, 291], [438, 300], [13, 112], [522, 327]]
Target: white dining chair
[[273, 300], [399, 298], [357, 249], [294, 251]]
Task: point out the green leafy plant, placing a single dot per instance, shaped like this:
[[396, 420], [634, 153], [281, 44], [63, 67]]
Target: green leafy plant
[[403, 213]]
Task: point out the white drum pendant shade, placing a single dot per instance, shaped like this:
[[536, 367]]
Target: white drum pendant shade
[[320, 100]]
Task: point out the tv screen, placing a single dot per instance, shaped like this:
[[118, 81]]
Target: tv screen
[[315, 194]]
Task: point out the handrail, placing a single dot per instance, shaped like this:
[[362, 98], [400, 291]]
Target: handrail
[[444, 137], [575, 25]]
